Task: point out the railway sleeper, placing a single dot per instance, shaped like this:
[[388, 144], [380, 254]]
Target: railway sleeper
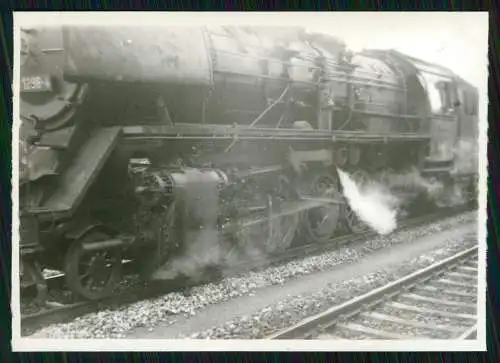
[[412, 323], [467, 269], [439, 301], [427, 311], [448, 292], [452, 283], [380, 334], [462, 276]]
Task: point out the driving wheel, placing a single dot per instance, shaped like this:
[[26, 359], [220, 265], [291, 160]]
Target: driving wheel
[[320, 223]]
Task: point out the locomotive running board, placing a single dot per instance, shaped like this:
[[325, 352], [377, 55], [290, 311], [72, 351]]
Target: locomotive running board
[[143, 133], [77, 178]]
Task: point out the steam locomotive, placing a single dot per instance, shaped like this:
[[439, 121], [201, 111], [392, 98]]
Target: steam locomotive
[[140, 143]]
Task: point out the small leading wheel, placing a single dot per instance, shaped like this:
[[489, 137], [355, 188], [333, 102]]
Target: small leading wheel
[[354, 223], [320, 223], [92, 274]]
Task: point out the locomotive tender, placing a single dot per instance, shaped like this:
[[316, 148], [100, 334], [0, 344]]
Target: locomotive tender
[[141, 142]]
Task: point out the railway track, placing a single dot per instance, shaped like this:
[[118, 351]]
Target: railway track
[[62, 314], [437, 302]]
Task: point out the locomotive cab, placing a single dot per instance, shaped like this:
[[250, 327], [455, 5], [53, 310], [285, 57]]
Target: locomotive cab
[[443, 118]]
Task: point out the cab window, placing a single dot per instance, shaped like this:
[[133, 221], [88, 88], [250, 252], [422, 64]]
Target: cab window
[[435, 98], [447, 97], [469, 103], [440, 93]]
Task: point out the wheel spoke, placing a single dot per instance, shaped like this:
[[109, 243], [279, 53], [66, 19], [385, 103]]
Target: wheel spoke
[[92, 274], [89, 282], [284, 229], [85, 275]]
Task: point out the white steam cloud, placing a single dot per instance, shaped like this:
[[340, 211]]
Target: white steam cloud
[[372, 204], [201, 252], [466, 156], [209, 248]]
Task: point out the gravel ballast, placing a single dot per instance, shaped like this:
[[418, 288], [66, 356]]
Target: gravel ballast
[[291, 311], [116, 323]]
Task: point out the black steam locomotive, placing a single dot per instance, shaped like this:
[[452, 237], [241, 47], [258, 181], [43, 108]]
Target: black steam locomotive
[[140, 143]]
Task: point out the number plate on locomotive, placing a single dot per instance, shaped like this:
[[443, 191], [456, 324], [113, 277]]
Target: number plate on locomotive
[[36, 84]]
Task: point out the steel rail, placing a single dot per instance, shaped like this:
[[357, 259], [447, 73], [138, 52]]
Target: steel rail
[[327, 319]]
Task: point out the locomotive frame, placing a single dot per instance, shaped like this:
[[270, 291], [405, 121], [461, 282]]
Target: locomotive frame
[[212, 179]]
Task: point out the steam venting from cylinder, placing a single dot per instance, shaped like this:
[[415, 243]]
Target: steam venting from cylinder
[[372, 204]]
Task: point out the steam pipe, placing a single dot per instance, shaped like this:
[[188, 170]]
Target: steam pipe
[[270, 107], [103, 245]]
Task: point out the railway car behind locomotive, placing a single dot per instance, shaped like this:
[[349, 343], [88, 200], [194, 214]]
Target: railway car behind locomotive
[[146, 143]]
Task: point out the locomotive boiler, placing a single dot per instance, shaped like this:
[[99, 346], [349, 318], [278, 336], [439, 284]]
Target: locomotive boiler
[[145, 143]]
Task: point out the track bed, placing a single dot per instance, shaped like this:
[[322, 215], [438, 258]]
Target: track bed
[[437, 302], [152, 291]]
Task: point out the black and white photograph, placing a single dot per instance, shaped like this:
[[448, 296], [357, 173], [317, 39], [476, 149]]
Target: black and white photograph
[[249, 181]]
